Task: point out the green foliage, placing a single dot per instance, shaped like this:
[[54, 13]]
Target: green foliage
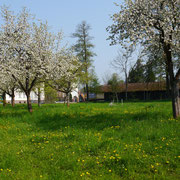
[[149, 74], [94, 85], [50, 94], [136, 74], [90, 141], [155, 59], [143, 72], [114, 83], [83, 48]]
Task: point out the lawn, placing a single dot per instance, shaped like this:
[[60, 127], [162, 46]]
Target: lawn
[[90, 141]]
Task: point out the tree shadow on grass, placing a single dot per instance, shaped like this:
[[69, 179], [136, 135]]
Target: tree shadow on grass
[[58, 121], [13, 112], [19, 111], [97, 122]]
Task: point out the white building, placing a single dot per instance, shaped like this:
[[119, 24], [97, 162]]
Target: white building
[[20, 97], [75, 95]]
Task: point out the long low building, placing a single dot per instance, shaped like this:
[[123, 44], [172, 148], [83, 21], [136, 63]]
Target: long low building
[[139, 91]]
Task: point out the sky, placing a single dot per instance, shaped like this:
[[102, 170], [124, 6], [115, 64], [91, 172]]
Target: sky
[[65, 15]]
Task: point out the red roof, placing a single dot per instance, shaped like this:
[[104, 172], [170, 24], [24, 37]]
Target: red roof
[[132, 87]]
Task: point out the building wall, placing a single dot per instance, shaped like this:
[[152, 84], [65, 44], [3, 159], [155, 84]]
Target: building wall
[[20, 97], [74, 93], [100, 96], [138, 95]]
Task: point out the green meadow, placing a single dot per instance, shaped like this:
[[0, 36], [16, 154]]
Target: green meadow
[[139, 140]]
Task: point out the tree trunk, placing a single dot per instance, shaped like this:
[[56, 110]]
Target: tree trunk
[[67, 95], [87, 91], [175, 100], [173, 81], [4, 98], [29, 106], [167, 84], [117, 97], [13, 98], [114, 95], [126, 85], [126, 93], [65, 100], [39, 97]]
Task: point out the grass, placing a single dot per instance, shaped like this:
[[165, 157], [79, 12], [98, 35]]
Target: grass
[[90, 141]]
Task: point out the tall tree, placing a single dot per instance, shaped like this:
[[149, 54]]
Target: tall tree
[[65, 70], [25, 49], [83, 48], [142, 20]]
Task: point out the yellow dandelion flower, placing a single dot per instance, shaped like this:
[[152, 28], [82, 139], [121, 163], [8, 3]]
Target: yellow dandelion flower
[[152, 166]]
